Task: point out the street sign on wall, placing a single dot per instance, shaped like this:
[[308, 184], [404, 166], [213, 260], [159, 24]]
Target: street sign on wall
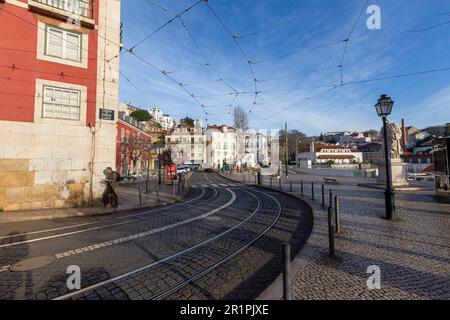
[[107, 114]]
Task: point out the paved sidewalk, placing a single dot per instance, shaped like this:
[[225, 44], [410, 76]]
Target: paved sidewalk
[[413, 252], [128, 200]]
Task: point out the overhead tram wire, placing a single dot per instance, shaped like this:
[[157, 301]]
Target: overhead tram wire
[[98, 57], [194, 42], [201, 52], [363, 81], [302, 102], [347, 40], [235, 38], [288, 21], [158, 29], [127, 50], [328, 44], [148, 63], [161, 71], [298, 74], [430, 27]]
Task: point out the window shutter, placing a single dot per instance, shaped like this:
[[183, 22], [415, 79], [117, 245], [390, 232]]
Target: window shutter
[[61, 103], [73, 47], [54, 42], [48, 103]]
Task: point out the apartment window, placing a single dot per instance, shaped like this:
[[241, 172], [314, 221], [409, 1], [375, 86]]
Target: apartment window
[[59, 103], [63, 44]]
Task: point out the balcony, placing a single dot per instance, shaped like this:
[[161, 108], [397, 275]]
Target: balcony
[[78, 10]]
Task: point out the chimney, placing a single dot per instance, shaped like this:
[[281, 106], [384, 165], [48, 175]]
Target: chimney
[[405, 148]]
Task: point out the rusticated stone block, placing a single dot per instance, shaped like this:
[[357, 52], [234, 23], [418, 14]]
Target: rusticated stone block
[[13, 207], [37, 205], [11, 165], [16, 179], [15, 195]]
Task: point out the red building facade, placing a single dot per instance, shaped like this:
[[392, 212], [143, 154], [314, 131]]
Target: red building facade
[[54, 83], [132, 147], [22, 63]]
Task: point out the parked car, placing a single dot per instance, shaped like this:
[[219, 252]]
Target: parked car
[[181, 170]]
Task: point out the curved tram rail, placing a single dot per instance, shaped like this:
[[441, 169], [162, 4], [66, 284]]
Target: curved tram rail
[[208, 253]]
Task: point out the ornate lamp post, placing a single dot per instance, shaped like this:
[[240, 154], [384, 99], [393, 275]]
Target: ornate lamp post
[[384, 108], [149, 150], [158, 146]]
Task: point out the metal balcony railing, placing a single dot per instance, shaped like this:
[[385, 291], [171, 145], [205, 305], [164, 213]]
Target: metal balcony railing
[[83, 8]]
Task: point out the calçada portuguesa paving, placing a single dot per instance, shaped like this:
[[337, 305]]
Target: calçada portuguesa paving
[[412, 252]]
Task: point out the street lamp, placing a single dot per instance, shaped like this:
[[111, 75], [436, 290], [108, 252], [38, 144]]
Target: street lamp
[[158, 146], [384, 108]]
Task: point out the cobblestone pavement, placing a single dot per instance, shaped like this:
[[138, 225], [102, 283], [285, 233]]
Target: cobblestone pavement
[[148, 253], [413, 252]]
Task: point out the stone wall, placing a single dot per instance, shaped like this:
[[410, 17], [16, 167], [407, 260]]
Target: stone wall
[[43, 166], [47, 163]]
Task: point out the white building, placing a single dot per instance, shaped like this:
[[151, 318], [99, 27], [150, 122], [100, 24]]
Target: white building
[[166, 121], [127, 108], [221, 146], [252, 149], [355, 138], [326, 153], [188, 144]]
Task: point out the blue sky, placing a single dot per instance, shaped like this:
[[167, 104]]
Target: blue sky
[[300, 46]]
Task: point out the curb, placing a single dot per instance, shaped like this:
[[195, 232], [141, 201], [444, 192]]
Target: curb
[[275, 290]]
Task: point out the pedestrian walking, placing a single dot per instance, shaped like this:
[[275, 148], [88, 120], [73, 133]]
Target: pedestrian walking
[[110, 195]]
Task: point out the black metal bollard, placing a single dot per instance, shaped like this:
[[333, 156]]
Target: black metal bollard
[[332, 252], [157, 192], [336, 214], [287, 290], [323, 196], [271, 182], [312, 190], [140, 196], [301, 187], [331, 199], [279, 183], [290, 186]]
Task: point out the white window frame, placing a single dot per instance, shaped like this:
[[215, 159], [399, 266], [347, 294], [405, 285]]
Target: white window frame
[[64, 42], [55, 105], [39, 102], [42, 45]]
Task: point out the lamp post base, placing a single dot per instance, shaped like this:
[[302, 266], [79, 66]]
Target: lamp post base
[[390, 203]]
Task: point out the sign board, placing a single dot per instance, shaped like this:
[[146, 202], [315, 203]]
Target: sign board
[[171, 172], [106, 114]]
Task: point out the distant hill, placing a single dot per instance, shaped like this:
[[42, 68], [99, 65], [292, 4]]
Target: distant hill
[[438, 131]]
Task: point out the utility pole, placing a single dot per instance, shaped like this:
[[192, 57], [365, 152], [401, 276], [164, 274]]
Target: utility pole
[[286, 147]]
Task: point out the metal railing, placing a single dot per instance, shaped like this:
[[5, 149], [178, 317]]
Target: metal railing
[[84, 8]]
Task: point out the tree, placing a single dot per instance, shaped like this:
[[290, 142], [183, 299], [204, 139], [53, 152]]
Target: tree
[[165, 157], [373, 134], [187, 122], [141, 115], [297, 142], [134, 154], [240, 119]]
